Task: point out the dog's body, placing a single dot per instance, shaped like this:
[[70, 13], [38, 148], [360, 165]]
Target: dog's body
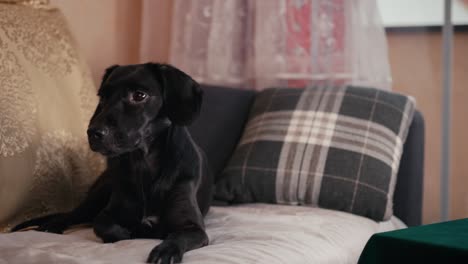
[[157, 183]]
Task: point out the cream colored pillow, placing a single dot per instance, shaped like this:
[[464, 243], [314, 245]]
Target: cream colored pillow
[[46, 100]]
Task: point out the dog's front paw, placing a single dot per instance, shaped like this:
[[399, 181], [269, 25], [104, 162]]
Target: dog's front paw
[[167, 252], [112, 233]]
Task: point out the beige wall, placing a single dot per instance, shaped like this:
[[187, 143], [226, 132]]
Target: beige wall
[[108, 31], [156, 32]]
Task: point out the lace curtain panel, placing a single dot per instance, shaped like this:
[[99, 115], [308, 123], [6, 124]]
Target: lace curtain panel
[[264, 43]]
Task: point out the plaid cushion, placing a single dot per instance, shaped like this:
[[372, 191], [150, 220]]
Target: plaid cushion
[[337, 148]]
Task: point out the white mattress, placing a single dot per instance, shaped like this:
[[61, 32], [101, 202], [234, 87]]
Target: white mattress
[[254, 233]]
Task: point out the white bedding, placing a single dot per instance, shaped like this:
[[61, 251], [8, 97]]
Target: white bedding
[[254, 233]]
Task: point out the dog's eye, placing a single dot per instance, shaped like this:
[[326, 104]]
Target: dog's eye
[[138, 96]]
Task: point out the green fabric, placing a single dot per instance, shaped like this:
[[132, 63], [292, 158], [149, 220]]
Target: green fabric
[[445, 242]]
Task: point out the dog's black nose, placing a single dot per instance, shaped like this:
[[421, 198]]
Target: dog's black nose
[[97, 133]]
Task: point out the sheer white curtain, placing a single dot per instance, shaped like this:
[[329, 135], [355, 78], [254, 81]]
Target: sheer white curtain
[[264, 43]]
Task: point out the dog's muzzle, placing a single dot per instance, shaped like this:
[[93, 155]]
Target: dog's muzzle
[[96, 137], [97, 134]]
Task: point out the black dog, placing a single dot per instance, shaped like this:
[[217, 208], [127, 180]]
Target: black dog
[[156, 184]]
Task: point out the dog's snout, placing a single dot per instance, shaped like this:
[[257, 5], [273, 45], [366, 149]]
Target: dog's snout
[[97, 133]]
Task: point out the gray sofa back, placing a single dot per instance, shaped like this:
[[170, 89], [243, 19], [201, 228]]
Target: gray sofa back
[[221, 122]]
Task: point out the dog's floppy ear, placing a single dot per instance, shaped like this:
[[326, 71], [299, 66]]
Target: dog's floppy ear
[[108, 72], [181, 94]]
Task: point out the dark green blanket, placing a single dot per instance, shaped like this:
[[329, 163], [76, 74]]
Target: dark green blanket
[[445, 242]]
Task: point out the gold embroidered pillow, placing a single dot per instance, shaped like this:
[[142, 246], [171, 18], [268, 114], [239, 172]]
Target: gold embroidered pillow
[[46, 99]]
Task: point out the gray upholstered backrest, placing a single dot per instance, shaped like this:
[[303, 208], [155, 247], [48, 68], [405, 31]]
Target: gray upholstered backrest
[[219, 126], [407, 200]]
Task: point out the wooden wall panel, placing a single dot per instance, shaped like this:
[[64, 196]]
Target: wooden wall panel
[[416, 63], [459, 197]]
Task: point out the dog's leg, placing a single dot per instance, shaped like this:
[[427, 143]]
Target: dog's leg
[[108, 230], [185, 224], [85, 212]]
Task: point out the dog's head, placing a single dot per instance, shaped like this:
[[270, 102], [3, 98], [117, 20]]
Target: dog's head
[[137, 102]]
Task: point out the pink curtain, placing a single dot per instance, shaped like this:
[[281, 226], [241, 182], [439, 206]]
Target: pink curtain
[[264, 43]]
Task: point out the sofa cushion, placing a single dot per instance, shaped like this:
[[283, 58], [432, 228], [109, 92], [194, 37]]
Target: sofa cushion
[[46, 99], [244, 234], [337, 148]]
